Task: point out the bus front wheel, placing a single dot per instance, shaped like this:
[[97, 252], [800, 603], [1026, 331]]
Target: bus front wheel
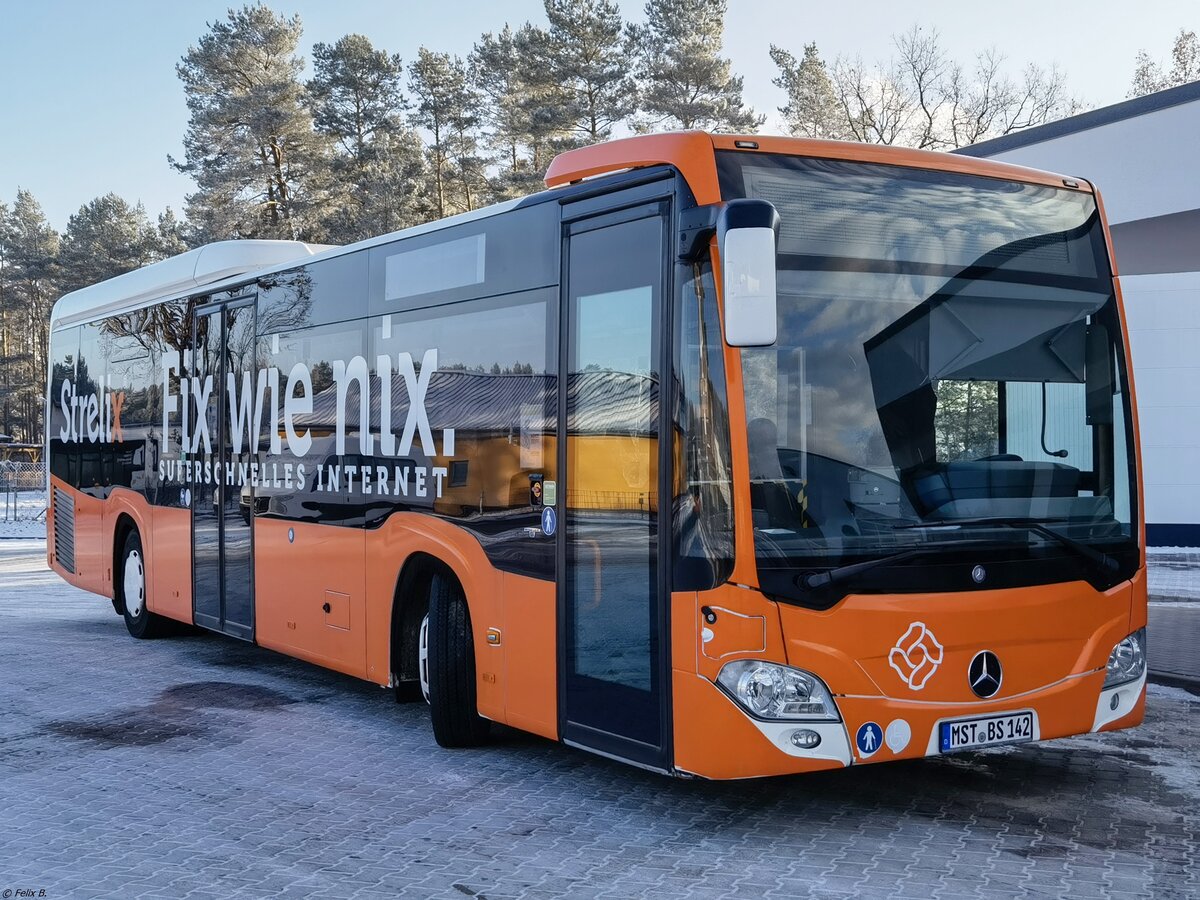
[[131, 589], [448, 667]]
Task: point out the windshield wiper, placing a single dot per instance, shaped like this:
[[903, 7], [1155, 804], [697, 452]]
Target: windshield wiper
[[813, 581], [1099, 559]]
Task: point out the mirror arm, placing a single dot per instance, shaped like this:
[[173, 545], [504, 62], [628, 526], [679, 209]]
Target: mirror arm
[[696, 226]]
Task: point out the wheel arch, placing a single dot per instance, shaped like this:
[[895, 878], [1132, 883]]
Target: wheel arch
[[125, 523], [410, 603]]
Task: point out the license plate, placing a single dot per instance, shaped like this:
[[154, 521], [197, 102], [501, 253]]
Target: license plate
[[986, 731]]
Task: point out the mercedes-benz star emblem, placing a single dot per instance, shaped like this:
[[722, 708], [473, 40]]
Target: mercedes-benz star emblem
[[979, 573], [985, 674]]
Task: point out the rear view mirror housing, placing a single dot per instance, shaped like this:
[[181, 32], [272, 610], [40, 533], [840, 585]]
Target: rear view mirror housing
[[747, 232]]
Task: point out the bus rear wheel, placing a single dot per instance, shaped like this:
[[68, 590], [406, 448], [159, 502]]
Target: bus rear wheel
[[448, 667], [131, 590]]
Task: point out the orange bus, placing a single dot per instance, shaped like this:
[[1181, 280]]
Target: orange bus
[[897, 443]]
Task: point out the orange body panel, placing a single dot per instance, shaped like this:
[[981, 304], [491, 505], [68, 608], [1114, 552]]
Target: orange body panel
[[714, 739], [170, 564], [691, 152], [92, 564], [166, 535], [291, 581], [1044, 634], [517, 678]]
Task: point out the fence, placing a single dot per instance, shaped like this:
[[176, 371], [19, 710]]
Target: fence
[[22, 490]]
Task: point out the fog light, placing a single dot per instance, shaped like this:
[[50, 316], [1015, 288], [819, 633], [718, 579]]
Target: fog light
[[1116, 701], [805, 738]]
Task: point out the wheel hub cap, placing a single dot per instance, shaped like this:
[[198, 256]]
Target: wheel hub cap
[[134, 584]]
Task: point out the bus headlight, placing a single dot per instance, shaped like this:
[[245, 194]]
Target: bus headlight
[[771, 691], [1127, 662]]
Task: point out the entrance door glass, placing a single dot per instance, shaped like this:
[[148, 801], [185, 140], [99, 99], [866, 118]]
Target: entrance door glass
[[224, 349], [612, 608], [204, 418], [236, 489]]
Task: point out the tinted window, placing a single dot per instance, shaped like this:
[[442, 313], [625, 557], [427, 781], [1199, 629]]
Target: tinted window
[[330, 290], [949, 351], [704, 508], [514, 251]]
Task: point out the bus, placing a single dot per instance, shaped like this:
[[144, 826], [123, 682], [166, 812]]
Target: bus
[[885, 393]]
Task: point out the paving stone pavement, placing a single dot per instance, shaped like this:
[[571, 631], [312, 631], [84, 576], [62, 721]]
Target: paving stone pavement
[[201, 767]]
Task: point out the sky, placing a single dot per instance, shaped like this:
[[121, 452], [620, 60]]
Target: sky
[[91, 103]]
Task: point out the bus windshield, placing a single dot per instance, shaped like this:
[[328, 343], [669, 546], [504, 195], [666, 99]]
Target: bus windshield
[[949, 358]]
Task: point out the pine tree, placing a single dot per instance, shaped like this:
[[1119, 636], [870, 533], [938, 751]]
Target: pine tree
[[495, 66], [358, 102], [812, 109], [250, 143], [589, 58], [546, 102], [28, 289], [170, 235], [105, 238], [685, 82], [527, 111], [448, 108]]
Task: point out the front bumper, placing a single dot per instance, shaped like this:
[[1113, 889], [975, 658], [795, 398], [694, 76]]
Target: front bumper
[[733, 744]]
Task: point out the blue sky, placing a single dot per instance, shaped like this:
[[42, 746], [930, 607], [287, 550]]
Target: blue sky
[[91, 103]]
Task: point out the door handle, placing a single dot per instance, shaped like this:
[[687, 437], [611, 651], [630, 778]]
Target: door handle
[[325, 606]]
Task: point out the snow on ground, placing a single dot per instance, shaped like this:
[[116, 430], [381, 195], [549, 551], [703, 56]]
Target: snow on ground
[[1174, 574], [22, 515]]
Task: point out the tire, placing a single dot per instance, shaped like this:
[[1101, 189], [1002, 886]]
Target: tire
[[452, 700], [131, 592]]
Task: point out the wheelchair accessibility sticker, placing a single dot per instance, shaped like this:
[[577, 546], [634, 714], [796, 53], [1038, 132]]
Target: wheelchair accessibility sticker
[[868, 739]]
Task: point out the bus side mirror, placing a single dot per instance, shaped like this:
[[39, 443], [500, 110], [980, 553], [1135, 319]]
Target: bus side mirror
[[746, 235]]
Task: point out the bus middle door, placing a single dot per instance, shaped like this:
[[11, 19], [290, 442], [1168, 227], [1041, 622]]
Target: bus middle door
[[223, 341]]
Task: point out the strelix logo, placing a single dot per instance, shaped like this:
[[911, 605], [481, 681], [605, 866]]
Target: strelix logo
[[92, 417]]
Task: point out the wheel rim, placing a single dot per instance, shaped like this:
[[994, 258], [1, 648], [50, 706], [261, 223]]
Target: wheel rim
[[134, 584], [423, 658]]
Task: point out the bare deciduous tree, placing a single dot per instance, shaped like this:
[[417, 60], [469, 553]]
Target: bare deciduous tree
[[919, 97], [1148, 75]]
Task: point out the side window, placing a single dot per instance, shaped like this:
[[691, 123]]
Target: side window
[[331, 290], [64, 450], [476, 431], [704, 495], [309, 476], [130, 460], [89, 388]]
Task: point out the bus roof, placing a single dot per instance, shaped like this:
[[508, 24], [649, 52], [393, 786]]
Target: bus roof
[[217, 266], [183, 273], [691, 153]]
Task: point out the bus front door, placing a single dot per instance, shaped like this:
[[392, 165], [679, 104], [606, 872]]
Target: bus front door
[[614, 680], [222, 577]]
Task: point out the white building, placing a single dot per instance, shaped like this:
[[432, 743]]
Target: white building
[[1144, 156]]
